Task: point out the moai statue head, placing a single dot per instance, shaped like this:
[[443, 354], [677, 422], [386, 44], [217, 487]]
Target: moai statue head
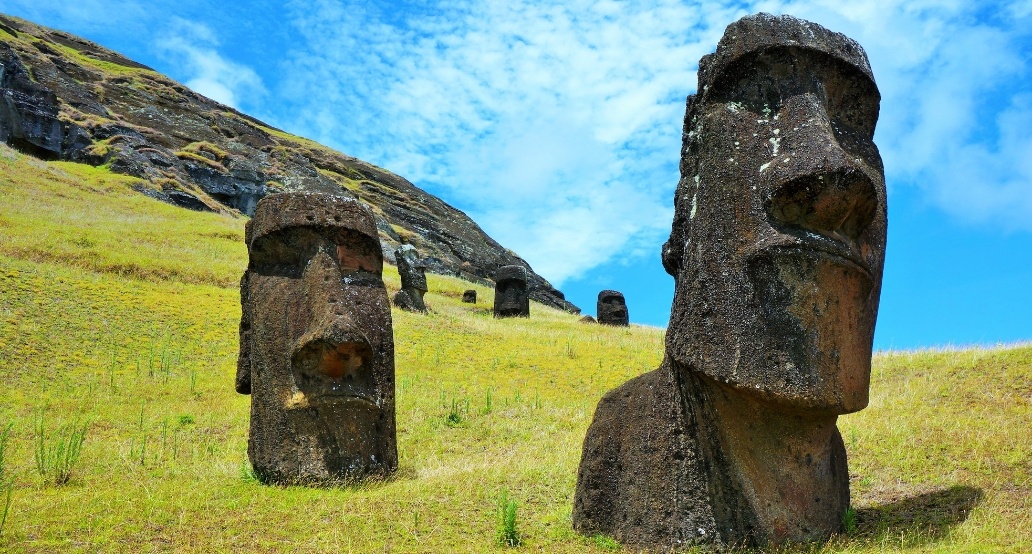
[[776, 248], [316, 343], [413, 279], [469, 296], [612, 309], [511, 296], [778, 239]]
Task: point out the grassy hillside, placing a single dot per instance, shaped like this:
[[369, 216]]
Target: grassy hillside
[[119, 313]]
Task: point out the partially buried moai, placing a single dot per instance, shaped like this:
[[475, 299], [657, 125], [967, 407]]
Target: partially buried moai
[[316, 344], [776, 248], [469, 296], [413, 279], [511, 296], [612, 308]]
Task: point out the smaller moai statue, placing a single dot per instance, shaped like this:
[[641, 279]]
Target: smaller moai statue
[[316, 343], [587, 319], [512, 299], [413, 279], [612, 309], [470, 296]]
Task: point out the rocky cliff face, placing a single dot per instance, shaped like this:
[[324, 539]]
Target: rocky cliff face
[[63, 97]]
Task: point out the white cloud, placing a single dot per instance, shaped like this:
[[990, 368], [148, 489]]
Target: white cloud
[[557, 127], [192, 46]]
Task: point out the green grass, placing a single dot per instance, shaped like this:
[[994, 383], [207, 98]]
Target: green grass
[[122, 311]]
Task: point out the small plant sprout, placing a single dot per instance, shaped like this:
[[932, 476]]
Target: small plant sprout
[[56, 455], [605, 542], [507, 534], [488, 404], [5, 437], [849, 521]]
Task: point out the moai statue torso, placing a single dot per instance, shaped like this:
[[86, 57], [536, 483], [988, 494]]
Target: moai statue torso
[[777, 249], [512, 299], [316, 345], [413, 279], [612, 308]]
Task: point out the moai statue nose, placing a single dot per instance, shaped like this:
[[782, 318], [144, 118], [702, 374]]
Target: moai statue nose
[[828, 191]]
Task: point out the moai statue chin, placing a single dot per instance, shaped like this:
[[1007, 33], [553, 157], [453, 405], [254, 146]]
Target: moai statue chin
[[512, 299], [316, 344], [776, 248], [413, 279], [612, 308]]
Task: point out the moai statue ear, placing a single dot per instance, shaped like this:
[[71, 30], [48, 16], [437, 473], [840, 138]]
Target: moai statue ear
[[243, 375]]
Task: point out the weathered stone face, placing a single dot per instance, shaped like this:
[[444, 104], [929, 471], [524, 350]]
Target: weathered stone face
[[316, 343], [413, 279], [779, 235], [511, 295], [777, 248], [469, 296], [612, 309]]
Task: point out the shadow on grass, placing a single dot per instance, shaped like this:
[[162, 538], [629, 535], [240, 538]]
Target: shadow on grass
[[918, 519]]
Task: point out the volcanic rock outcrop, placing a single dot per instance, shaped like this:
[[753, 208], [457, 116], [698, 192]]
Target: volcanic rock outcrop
[[316, 343], [63, 97], [777, 249]]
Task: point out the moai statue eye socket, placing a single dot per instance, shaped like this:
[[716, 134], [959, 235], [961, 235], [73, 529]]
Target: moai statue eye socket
[[777, 248], [316, 344]]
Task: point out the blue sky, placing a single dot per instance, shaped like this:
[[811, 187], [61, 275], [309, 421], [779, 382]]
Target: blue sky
[[556, 126]]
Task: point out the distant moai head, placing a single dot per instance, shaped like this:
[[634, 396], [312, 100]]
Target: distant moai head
[[411, 268], [316, 344], [778, 239], [511, 296], [612, 309], [469, 296], [413, 279]]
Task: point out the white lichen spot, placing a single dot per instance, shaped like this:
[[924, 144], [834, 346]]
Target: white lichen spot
[[765, 166], [694, 204], [776, 142], [776, 131]]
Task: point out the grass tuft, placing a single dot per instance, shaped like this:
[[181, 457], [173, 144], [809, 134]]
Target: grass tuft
[[56, 454], [507, 534]]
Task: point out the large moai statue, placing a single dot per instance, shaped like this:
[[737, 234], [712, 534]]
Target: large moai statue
[[316, 344], [612, 308], [512, 299], [776, 248], [413, 279]]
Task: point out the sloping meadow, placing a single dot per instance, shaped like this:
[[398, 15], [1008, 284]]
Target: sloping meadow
[[118, 316]]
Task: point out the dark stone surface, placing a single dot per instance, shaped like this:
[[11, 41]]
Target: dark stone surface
[[63, 97], [469, 296], [413, 279], [316, 343], [587, 319], [777, 249], [612, 308], [511, 298]]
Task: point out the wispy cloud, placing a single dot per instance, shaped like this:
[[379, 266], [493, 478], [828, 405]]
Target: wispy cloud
[[192, 47], [557, 127]]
